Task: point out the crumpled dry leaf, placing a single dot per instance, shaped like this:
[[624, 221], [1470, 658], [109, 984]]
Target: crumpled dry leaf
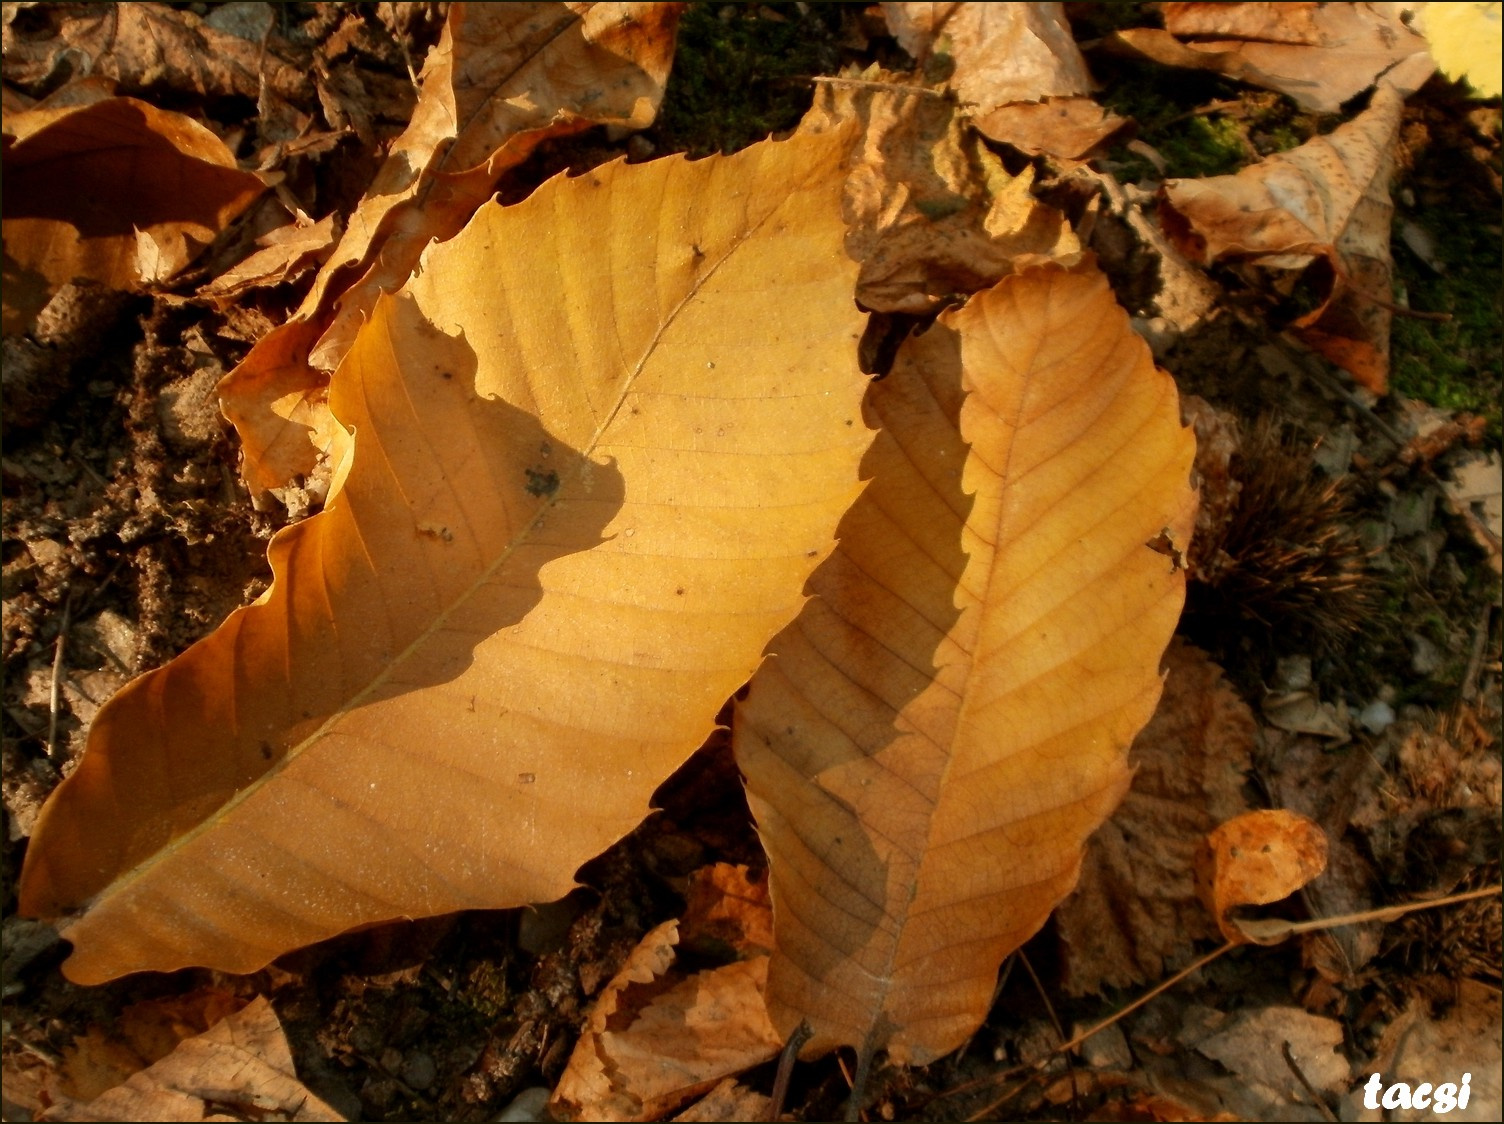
[[725, 910], [919, 759], [241, 1064], [730, 1100], [1252, 1044], [143, 48], [503, 79], [642, 1054], [1304, 712], [285, 254], [1320, 55], [1328, 199], [1295, 705], [1476, 493], [1256, 859], [933, 214], [144, 1034], [582, 497], [1135, 914], [1070, 128], [1016, 70], [130, 170], [1000, 52], [1467, 42], [1422, 1046]]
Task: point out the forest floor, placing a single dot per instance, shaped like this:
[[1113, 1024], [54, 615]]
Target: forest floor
[[128, 535]]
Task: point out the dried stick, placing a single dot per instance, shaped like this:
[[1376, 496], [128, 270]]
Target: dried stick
[[802, 1034], [1326, 1113], [57, 674]]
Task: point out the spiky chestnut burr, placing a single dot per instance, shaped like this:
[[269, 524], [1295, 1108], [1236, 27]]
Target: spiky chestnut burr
[[1276, 547]]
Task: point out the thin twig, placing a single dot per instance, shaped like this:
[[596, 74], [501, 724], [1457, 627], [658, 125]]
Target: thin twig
[[1208, 109], [866, 85], [1044, 996], [1326, 1113], [802, 1034], [1312, 366], [1067, 1047], [859, 1081], [1397, 309], [987, 1113], [1385, 913], [1054, 1021], [1152, 993], [1388, 913], [57, 674], [1475, 660]]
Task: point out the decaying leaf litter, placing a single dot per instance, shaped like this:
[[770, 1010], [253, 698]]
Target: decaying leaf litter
[[1436, 767]]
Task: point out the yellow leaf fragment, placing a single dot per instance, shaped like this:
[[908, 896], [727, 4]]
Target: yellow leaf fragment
[[137, 177], [599, 443], [1467, 42], [948, 719], [503, 79]]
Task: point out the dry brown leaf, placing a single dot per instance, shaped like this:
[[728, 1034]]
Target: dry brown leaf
[[1135, 914], [643, 1054], [1320, 55], [1001, 52], [933, 213], [1256, 859], [144, 1034], [1328, 199], [285, 253], [242, 1064], [1070, 128], [582, 497], [1476, 494], [949, 717], [503, 79], [729, 1100], [1424, 1044], [1016, 70], [724, 910], [84, 181], [143, 48], [1254, 1042]]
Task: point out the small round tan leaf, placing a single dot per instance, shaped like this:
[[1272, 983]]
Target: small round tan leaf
[[1255, 859]]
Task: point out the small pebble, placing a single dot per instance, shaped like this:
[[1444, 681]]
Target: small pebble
[[1377, 716], [527, 1105], [419, 1071]]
